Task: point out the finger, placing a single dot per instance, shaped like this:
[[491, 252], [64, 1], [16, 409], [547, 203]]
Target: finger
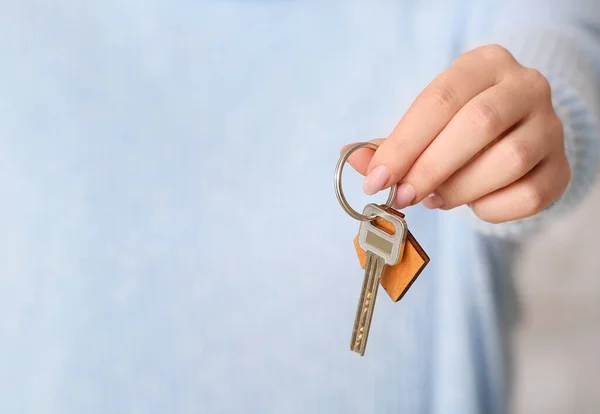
[[527, 196], [470, 74], [476, 125], [359, 159], [503, 163]]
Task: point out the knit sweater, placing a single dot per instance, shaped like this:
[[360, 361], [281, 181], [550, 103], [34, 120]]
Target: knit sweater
[[171, 241]]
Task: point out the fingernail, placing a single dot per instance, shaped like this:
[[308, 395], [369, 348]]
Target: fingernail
[[376, 180], [434, 200], [405, 195]]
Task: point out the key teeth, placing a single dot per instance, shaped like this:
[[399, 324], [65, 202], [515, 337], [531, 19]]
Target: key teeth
[[362, 323]]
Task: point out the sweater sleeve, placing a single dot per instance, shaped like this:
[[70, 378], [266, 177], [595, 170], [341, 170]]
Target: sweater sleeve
[[563, 43]]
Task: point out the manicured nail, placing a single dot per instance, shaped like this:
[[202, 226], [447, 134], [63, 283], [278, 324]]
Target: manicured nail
[[405, 195], [376, 180], [434, 200]]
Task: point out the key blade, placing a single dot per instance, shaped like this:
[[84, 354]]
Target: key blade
[[374, 288], [366, 304], [355, 329]]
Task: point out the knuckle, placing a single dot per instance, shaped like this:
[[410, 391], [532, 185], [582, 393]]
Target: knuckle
[[534, 200], [539, 83], [521, 155], [486, 117], [552, 130], [494, 53], [445, 97], [556, 127]]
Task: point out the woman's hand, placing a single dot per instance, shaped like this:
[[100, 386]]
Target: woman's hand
[[483, 133]]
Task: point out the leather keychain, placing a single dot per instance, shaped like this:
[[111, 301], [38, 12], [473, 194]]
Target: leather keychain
[[397, 279]]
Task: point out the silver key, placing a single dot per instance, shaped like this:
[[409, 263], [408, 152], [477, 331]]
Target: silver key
[[381, 249]]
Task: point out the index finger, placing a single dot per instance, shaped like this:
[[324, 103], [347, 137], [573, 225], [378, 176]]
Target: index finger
[[435, 106]]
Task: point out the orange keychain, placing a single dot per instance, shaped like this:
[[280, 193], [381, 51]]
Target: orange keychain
[[397, 279]]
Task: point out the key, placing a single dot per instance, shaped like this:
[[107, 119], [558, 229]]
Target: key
[[382, 248], [397, 279]]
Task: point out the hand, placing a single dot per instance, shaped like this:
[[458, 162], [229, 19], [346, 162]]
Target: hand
[[483, 133]]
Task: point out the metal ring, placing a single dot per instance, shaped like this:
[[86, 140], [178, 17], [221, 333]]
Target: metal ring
[[338, 183]]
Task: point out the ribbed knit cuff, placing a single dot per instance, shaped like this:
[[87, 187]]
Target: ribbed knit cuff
[[576, 99]]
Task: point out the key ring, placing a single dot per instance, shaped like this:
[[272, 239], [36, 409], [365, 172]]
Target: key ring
[[338, 183]]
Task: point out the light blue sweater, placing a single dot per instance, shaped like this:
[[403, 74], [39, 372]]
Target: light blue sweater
[[171, 242]]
